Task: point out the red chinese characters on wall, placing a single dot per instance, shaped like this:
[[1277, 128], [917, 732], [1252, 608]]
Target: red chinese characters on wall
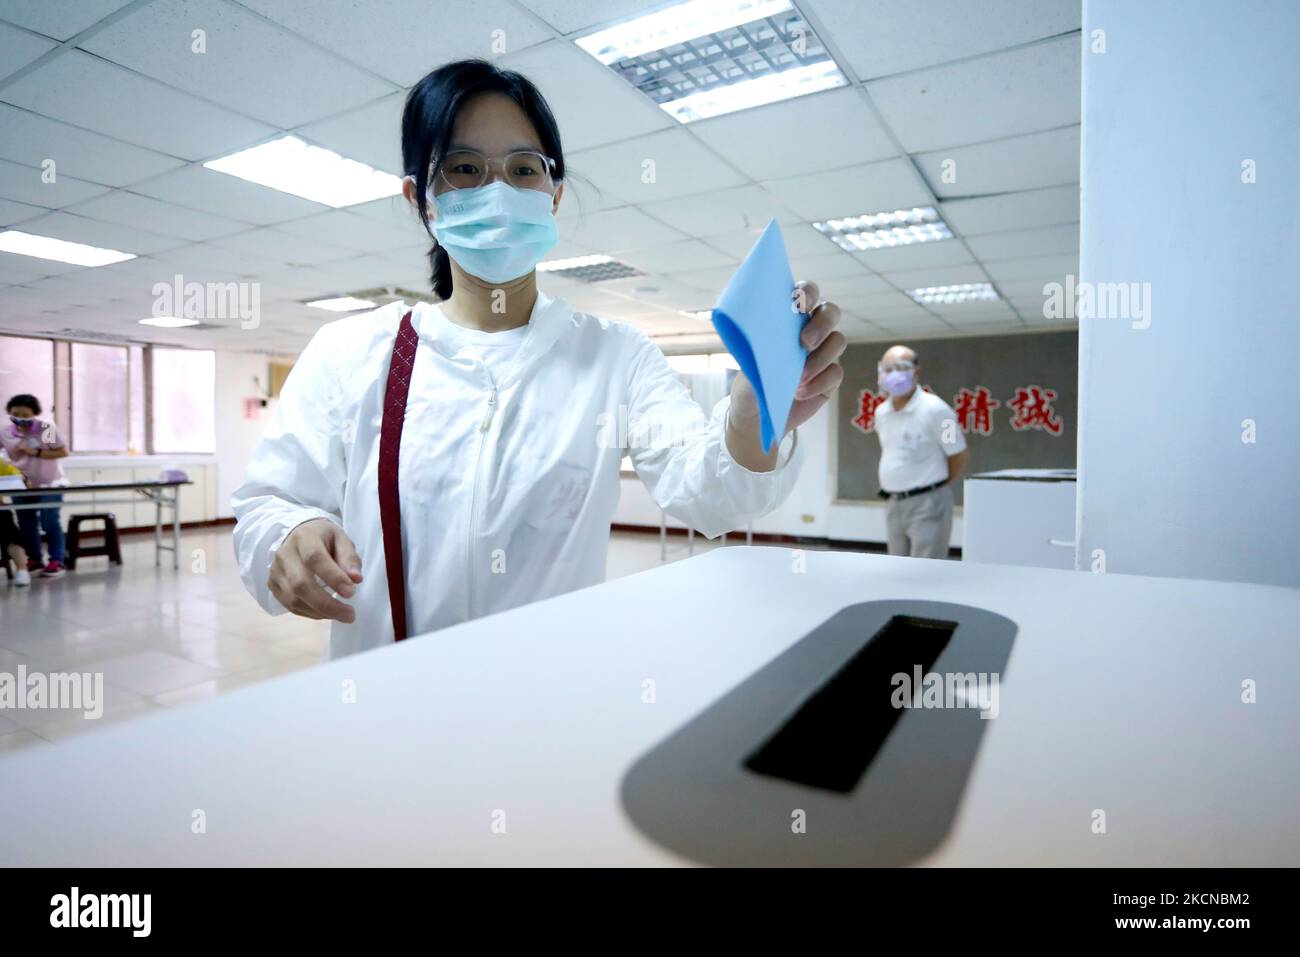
[[975, 410], [1032, 407], [868, 402]]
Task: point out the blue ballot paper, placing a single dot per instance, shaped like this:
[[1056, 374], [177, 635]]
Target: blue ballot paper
[[759, 326]]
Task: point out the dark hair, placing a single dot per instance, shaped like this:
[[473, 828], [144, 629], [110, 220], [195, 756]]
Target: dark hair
[[23, 398], [430, 114]]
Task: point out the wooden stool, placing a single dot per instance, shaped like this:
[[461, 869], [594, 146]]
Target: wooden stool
[[110, 546]]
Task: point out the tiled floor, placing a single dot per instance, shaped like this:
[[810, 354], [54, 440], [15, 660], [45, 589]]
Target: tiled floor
[[162, 638]]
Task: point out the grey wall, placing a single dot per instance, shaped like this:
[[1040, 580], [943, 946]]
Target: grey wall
[[1003, 364], [1169, 481]]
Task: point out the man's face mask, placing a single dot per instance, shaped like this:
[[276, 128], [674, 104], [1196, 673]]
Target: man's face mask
[[495, 232], [20, 422], [897, 381]]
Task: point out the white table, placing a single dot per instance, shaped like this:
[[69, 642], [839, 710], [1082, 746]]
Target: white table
[[1122, 693]]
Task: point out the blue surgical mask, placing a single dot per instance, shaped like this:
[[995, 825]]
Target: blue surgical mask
[[495, 232], [21, 423]]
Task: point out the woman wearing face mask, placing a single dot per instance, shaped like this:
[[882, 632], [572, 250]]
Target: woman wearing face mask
[[430, 466], [35, 447]]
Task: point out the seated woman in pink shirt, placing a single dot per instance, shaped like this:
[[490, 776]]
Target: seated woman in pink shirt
[[35, 446]]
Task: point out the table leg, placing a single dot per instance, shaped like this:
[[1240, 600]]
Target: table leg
[[176, 527], [157, 531]]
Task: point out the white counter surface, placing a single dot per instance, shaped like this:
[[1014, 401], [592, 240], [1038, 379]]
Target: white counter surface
[[1122, 694]]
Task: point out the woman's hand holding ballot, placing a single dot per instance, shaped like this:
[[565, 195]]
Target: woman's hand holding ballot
[[822, 375]]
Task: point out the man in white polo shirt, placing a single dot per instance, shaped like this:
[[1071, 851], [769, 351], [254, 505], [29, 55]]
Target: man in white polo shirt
[[922, 452]]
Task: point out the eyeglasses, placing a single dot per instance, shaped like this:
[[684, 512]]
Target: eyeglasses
[[524, 169]]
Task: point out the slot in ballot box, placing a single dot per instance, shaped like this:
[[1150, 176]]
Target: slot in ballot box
[[509, 739]]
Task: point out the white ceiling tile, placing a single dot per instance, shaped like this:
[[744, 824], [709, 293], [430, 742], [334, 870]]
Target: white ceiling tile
[[348, 230], [800, 240], [245, 58], [25, 184], [166, 219], [304, 282], [880, 37], [936, 276], [370, 134], [362, 272], [225, 195], [745, 208], [846, 286], [592, 104], [688, 254], [16, 270], [1039, 268], [19, 48], [1008, 211], [60, 19], [853, 191], [823, 269], [657, 166], [1018, 91], [1043, 159], [1026, 242], [877, 303], [402, 40], [582, 198], [708, 281], [624, 228], [569, 16], [12, 213], [31, 139], [94, 232], [920, 322], [967, 312], [798, 136], [1020, 291], [392, 210], [275, 245], [83, 90], [205, 260], [943, 252]]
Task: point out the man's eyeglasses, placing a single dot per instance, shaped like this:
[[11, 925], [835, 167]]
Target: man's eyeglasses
[[901, 366], [467, 169]]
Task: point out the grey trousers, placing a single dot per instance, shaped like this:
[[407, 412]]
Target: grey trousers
[[919, 526]]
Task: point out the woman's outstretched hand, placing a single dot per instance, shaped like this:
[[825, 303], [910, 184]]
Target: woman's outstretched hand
[[316, 549]]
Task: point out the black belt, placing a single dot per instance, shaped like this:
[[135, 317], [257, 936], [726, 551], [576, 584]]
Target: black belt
[[896, 496]]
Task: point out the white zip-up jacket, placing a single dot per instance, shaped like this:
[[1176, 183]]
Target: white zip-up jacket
[[507, 489]]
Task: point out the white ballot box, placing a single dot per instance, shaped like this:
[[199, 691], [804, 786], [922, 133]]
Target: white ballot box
[[513, 739]]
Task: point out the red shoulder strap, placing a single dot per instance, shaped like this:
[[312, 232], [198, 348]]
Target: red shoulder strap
[[400, 367]]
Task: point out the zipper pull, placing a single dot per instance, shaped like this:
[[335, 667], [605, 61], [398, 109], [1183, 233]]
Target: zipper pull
[[487, 416]]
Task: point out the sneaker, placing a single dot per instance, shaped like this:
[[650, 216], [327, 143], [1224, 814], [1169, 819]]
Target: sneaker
[[34, 565], [53, 570], [22, 577]]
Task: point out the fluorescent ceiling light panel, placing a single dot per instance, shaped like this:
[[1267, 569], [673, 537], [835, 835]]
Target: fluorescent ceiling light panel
[[323, 176], [590, 268], [902, 227], [58, 250], [947, 295], [709, 57], [168, 322], [342, 304], [556, 265]]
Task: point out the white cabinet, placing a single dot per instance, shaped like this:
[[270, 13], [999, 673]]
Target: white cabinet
[[1020, 517]]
